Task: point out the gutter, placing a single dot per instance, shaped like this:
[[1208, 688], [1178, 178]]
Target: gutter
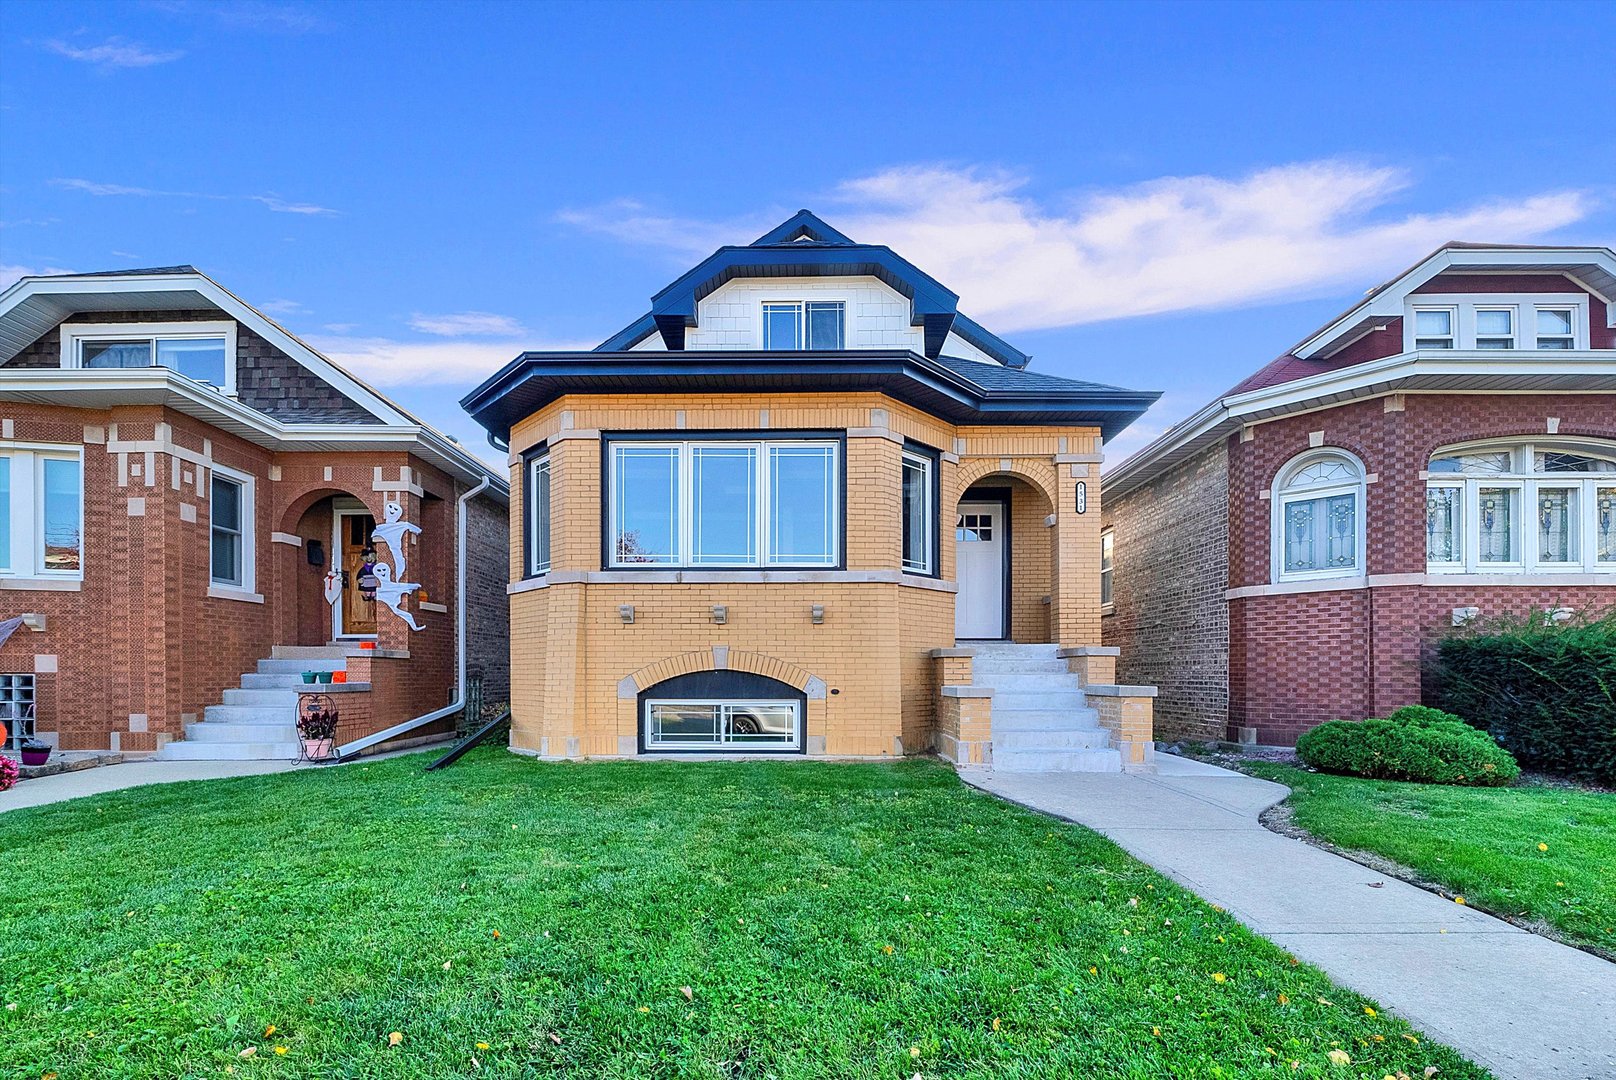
[[461, 516]]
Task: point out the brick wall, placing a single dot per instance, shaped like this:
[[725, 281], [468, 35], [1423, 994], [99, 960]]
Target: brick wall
[[1169, 572], [488, 613]]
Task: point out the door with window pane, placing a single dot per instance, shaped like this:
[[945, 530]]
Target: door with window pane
[[979, 560]]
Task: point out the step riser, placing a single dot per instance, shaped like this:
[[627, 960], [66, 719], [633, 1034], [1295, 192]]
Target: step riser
[[1020, 667], [1106, 761], [309, 652], [255, 681], [210, 732], [1051, 701], [1044, 719], [250, 714], [285, 699], [298, 667], [1045, 741]]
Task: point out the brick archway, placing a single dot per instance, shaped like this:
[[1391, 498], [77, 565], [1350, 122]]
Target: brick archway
[[1038, 475]]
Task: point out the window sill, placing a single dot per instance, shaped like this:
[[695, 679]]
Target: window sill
[[41, 584], [231, 592], [1107, 609], [728, 577]]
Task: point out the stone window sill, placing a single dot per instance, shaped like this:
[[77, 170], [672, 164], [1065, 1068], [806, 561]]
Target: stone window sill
[[227, 592]]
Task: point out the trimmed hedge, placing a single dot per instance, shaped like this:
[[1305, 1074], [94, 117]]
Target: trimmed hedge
[[1545, 690], [1414, 743]]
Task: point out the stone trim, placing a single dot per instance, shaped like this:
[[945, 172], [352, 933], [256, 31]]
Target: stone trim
[[730, 577], [966, 691], [1112, 690], [1089, 650], [939, 654]]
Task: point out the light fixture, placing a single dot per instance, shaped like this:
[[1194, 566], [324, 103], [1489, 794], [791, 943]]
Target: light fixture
[[626, 613], [1462, 615], [35, 620], [817, 614], [720, 614]]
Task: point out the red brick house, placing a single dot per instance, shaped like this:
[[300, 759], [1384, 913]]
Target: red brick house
[[1444, 449], [178, 477]]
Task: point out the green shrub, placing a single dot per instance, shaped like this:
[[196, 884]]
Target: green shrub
[[1545, 690], [1413, 743]]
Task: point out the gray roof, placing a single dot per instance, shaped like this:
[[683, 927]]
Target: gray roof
[[997, 377]]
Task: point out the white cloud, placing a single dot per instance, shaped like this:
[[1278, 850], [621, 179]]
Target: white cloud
[[466, 323], [115, 53], [632, 222], [10, 273], [92, 187], [247, 14], [281, 206], [281, 307], [1174, 244], [384, 362], [271, 202]]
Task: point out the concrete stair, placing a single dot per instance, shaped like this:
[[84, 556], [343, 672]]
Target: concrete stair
[[258, 720], [1041, 719]]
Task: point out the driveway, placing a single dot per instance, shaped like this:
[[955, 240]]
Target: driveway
[[1518, 1004]]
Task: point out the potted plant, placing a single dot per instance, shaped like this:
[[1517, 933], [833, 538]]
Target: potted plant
[[9, 772], [318, 730], [35, 752]]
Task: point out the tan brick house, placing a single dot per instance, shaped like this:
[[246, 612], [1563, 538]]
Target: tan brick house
[[804, 505], [1444, 449], [178, 476]]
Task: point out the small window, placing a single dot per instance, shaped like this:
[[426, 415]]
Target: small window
[[811, 324], [538, 515], [1319, 518], [1556, 328], [1495, 328], [974, 529], [1433, 328], [722, 725], [5, 512], [919, 526], [1106, 555], [226, 517]]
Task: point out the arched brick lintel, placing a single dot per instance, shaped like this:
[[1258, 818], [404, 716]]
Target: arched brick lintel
[[722, 658]]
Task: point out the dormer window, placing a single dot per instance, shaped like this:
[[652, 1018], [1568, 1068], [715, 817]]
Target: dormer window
[[1433, 328], [204, 351], [1556, 328], [1489, 322], [804, 324], [1495, 328]]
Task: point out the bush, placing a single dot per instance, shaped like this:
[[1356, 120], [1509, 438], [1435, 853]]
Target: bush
[[9, 772], [1413, 743], [1546, 690]]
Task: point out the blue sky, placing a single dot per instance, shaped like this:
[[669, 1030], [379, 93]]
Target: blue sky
[[1158, 196]]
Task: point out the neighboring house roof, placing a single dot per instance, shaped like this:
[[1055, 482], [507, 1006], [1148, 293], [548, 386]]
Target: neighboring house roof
[[36, 304], [952, 387], [805, 246], [1308, 376]]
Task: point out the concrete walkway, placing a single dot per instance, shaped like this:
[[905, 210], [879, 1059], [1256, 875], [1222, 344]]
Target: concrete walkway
[[128, 774], [1518, 1004]]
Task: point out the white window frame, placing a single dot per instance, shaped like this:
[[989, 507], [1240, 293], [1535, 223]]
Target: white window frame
[[75, 334], [1538, 337], [684, 503], [1465, 305], [27, 511], [1411, 330], [1513, 312], [1522, 477], [765, 302], [928, 468], [723, 745], [248, 584], [537, 567], [1280, 497], [1108, 566]]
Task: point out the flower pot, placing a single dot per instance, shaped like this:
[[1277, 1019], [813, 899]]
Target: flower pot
[[339, 676], [325, 676], [316, 749], [367, 644], [308, 676], [36, 757]]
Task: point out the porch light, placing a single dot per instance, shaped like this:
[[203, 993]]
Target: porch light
[[720, 614], [626, 613], [35, 620], [1462, 615], [817, 614]]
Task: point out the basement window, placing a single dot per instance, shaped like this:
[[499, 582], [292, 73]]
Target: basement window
[[722, 725]]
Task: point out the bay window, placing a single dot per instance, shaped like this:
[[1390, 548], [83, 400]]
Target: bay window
[[1318, 517], [724, 503], [1522, 507], [919, 517], [41, 511]]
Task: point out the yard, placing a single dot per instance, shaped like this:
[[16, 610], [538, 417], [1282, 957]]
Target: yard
[[509, 918], [1542, 856]]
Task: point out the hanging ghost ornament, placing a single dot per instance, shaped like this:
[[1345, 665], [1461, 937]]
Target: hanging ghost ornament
[[391, 532], [392, 594], [333, 586]]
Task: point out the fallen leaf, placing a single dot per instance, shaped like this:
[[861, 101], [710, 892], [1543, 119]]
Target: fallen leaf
[[555, 1038], [914, 1051], [1155, 1031], [496, 933], [887, 949], [280, 1050], [1093, 970], [995, 1023], [482, 1046], [1430, 1071], [1543, 847], [1368, 1011], [1458, 900], [447, 964], [1218, 977], [688, 993], [1339, 1057], [270, 1030], [1284, 1000], [1133, 901], [1322, 1001], [394, 1038], [249, 1052]]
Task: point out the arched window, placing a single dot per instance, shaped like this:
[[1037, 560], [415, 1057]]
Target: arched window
[[1539, 506], [1318, 517]]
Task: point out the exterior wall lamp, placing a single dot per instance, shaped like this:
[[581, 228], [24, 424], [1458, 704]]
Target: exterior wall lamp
[[817, 614], [720, 614], [626, 613]]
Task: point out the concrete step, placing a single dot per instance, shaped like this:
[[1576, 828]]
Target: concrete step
[[1089, 761], [1043, 719], [278, 697], [279, 681], [298, 667], [211, 731], [231, 751], [1017, 665], [1070, 739], [1023, 698], [250, 714], [1013, 649], [310, 652]]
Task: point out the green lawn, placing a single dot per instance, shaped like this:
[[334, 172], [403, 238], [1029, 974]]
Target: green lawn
[[1479, 843], [547, 920]]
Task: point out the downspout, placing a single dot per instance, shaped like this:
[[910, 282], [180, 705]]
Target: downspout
[[462, 515]]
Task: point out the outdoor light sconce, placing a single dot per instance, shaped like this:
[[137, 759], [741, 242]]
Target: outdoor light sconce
[[720, 614], [1462, 615], [35, 621], [817, 614], [626, 613]]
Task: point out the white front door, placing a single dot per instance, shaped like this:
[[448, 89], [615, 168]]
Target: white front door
[[979, 560]]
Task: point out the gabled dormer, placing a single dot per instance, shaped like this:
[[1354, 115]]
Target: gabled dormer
[[804, 286]]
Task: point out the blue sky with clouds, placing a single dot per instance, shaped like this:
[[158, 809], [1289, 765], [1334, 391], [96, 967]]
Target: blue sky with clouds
[[1159, 196]]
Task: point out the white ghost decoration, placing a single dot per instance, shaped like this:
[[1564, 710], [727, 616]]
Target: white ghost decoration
[[391, 532], [392, 593]]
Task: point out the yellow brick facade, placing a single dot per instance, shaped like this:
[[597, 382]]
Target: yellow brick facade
[[577, 666]]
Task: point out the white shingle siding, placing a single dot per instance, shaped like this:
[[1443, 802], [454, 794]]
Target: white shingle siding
[[877, 316]]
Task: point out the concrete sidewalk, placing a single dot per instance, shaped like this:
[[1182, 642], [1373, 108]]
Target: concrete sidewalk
[[1518, 1004], [128, 774]]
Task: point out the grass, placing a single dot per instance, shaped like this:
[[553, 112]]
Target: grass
[[547, 919], [1479, 843]]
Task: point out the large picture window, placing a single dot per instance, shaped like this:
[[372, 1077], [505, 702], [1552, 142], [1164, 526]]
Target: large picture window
[[1318, 517], [538, 515], [919, 518], [725, 503], [41, 511], [1522, 507]]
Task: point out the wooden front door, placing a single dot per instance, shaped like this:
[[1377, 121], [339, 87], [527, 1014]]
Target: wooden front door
[[354, 614]]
